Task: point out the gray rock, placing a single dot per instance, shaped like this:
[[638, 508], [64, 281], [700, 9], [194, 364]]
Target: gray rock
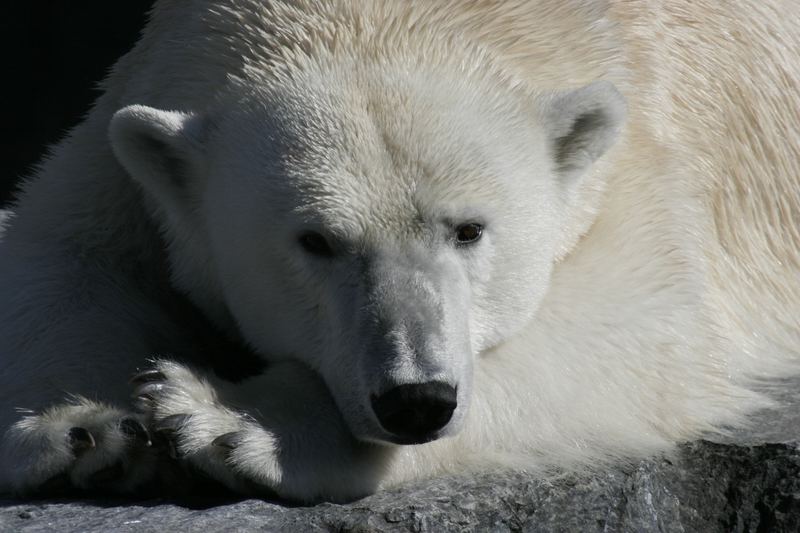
[[704, 487]]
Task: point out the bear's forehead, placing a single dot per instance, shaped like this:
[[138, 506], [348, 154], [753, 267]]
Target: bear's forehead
[[381, 146], [383, 141], [388, 174]]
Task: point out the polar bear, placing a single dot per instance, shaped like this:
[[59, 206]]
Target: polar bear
[[312, 249]]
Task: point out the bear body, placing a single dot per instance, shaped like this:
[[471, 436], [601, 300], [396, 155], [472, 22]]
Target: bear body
[[340, 245]]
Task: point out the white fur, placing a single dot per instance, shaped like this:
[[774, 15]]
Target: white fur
[[636, 284], [5, 218]]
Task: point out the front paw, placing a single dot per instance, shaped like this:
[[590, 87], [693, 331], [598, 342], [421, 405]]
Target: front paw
[[81, 445], [186, 414], [291, 442]]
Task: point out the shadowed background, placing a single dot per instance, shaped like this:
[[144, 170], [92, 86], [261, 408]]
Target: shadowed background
[[53, 54]]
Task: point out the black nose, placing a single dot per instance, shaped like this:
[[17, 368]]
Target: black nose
[[414, 412]]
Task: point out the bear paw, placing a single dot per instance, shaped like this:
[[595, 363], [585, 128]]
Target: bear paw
[[228, 445], [80, 445]]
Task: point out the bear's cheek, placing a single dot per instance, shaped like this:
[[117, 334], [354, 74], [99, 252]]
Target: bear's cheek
[[506, 299]]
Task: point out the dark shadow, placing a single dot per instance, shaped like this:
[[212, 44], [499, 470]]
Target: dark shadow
[[53, 56]]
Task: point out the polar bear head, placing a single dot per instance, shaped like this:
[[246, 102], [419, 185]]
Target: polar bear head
[[382, 222]]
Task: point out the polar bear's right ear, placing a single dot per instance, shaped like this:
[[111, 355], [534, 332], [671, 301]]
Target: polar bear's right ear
[[159, 149]]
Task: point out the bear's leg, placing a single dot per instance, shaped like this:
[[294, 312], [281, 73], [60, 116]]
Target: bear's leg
[[276, 434], [79, 444]]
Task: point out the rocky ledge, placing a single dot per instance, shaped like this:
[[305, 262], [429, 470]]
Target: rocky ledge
[[704, 487]]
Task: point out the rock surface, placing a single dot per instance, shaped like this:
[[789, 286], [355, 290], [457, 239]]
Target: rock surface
[[704, 487]]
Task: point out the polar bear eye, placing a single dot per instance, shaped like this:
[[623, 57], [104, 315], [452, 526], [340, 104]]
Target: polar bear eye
[[468, 233], [314, 243]]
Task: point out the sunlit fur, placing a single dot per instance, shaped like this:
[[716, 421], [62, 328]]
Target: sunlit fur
[[646, 298]]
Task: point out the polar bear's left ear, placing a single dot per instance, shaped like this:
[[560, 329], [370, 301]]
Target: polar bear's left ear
[[160, 150], [582, 125]]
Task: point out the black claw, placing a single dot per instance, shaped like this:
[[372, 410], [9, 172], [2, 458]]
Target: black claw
[[135, 431], [228, 440], [80, 440], [144, 396], [148, 376], [143, 404], [172, 423], [148, 390], [107, 475]]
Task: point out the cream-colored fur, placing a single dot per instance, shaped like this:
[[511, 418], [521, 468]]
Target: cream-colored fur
[[671, 312]]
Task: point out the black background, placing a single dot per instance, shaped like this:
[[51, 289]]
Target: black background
[[53, 54]]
